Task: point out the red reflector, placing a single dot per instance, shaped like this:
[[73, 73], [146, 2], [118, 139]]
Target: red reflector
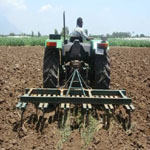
[[51, 44], [103, 45]]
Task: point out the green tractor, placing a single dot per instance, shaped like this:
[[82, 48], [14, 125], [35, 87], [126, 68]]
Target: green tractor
[[76, 75], [61, 59]]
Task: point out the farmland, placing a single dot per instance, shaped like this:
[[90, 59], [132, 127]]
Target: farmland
[[33, 41], [21, 67]]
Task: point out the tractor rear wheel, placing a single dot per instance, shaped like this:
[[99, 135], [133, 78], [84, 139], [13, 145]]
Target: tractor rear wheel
[[51, 68], [102, 72]]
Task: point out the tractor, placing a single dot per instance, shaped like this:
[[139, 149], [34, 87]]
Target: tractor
[[76, 75], [91, 60]]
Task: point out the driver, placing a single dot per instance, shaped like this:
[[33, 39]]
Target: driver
[[79, 31]]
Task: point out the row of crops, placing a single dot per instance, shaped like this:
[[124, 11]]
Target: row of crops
[[129, 42], [32, 41]]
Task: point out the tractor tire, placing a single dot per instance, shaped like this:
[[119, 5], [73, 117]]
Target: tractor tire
[[51, 68], [101, 72]]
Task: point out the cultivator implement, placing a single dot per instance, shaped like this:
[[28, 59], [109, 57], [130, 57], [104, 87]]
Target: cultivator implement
[[80, 97]]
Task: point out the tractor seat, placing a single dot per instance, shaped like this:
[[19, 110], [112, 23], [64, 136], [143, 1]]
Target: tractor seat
[[76, 51], [72, 39]]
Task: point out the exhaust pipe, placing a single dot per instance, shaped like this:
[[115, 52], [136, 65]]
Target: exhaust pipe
[[64, 27]]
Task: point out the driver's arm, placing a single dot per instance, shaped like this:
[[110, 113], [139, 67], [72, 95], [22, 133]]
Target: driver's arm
[[84, 35]]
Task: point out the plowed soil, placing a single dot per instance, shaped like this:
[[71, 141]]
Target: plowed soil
[[21, 67]]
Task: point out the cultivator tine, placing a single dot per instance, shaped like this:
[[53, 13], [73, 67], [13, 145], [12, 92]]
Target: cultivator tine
[[89, 106], [129, 108], [132, 107], [41, 105], [62, 105], [76, 110], [129, 125], [45, 105], [109, 111], [96, 100], [67, 105], [22, 106], [18, 105], [106, 106], [87, 117], [86, 112], [111, 106], [65, 116], [105, 115], [106, 119], [22, 112], [84, 106]]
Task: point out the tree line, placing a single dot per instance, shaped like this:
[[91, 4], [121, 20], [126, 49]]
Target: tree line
[[124, 35], [113, 35]]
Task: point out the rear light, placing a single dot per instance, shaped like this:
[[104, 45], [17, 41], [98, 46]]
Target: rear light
[[51, 44], [102, 45]]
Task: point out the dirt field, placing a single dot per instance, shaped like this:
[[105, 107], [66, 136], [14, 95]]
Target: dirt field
[[21, 67]]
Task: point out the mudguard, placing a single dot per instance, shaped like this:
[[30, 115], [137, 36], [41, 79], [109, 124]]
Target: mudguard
[[59, 43]]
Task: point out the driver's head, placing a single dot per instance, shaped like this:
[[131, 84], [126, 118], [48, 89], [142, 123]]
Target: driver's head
[[80, 22]]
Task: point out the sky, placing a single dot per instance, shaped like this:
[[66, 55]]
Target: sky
[[99, 16]]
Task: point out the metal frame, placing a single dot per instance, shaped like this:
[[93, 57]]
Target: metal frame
[[57, 96]]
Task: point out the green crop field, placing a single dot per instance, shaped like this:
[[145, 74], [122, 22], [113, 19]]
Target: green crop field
[[32, 41], [129, 42]]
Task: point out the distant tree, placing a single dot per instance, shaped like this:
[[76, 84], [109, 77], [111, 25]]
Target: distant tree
[[55, 31], [86, 31], [66, 31], [142, 35], [121, 34], [32, 34], [133, 34], [23, 34], [12, 34], [39, 34], [137, 35], [108, 35]]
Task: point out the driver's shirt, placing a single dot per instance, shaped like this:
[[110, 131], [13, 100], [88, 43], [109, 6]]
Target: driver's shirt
[[79, 32]]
